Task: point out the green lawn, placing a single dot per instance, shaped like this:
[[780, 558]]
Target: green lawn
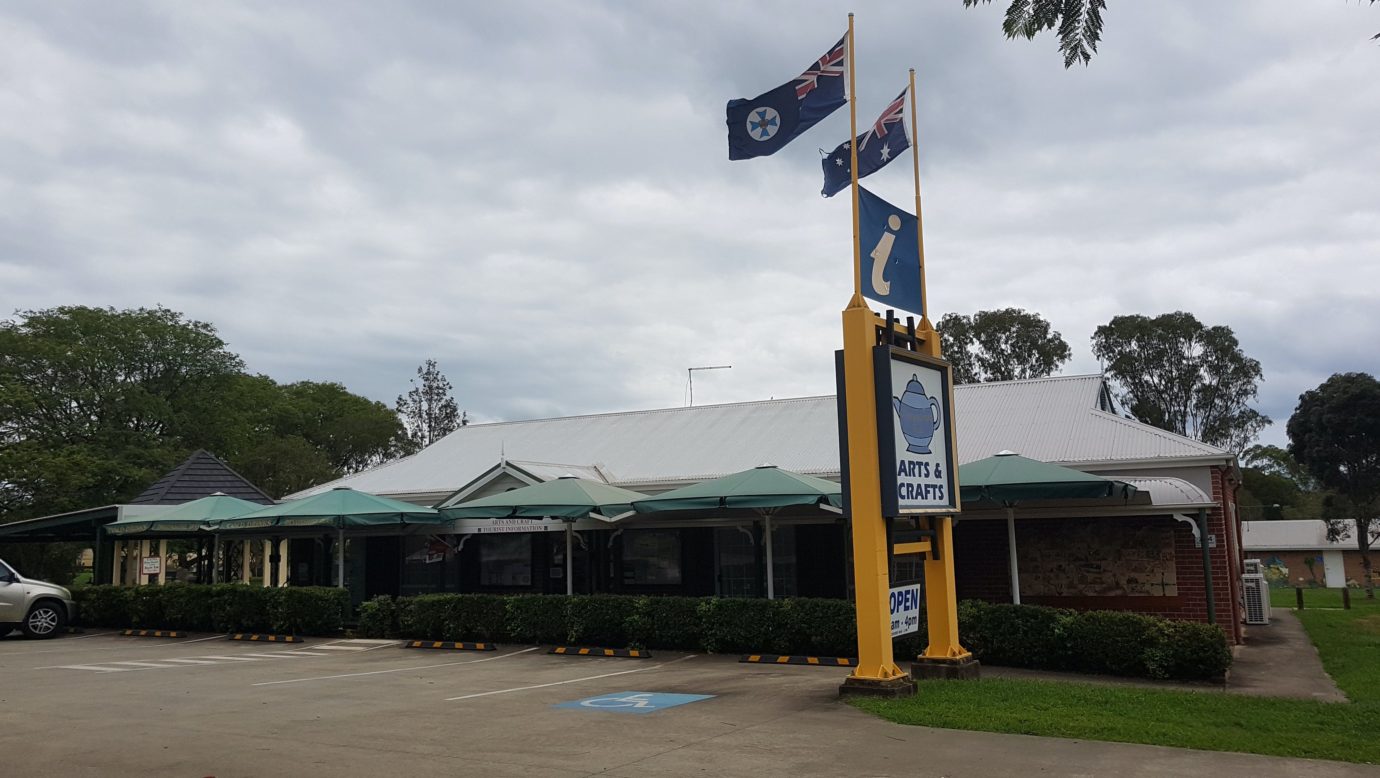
[[1320, 598], [1349, 642]]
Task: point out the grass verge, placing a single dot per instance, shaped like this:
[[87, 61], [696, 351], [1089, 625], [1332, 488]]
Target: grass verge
[[1320, 598], [1349, 642]]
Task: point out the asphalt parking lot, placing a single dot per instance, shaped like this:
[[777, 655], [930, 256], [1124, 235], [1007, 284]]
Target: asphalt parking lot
[[105, 705]]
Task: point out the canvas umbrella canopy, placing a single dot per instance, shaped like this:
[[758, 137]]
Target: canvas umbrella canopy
[[191, 516], [187, 517], [567, 498], [341, 508], [1008, 478], [763, 489]]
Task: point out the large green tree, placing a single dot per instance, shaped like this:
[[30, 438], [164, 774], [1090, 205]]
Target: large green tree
[[1275, 486], [1335, 434], [1078, 24], [1178, 374], [95, 403], [1001, 345]]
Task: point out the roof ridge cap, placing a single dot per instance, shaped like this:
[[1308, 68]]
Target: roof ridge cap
[[644, 411], [1159, 432]]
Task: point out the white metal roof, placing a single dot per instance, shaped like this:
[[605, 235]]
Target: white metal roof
[[1170, 492], [1292, 535], [1051, 419]]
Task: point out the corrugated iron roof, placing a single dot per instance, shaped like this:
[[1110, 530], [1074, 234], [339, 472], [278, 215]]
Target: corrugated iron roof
[[1051, 419]]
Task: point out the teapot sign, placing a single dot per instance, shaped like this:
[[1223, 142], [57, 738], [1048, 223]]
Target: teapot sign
[[915, 433]]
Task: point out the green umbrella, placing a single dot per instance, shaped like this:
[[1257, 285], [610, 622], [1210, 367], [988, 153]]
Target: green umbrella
[[1008, 478], [567, 497], [763, 489], [340, 507], [187, 517], [766, 486]]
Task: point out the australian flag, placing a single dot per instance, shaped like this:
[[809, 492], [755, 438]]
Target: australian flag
[[883, 142], [764, 124]]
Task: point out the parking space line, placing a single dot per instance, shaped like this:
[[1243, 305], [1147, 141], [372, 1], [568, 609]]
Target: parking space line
[[206, 661], [562, 683], [88, 667], [280, 655], [340, 648], [396, 669], [230, 658], [142, 664]]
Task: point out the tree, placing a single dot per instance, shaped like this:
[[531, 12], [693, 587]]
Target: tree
[[1001, 345], [1335, 434], [1079, 24], [95, 403], [1179, 375], [1275, 486], [428, 411]]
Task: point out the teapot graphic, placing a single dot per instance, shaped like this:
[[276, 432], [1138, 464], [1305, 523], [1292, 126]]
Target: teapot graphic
[[918, 414]]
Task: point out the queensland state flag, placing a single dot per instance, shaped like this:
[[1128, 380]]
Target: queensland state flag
[[890, 253], [883, 142], [762, 125]]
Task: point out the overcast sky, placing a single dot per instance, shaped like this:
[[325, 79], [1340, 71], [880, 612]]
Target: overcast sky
[[538, 194]]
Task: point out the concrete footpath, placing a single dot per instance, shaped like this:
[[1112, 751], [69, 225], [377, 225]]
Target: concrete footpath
[[108, 706]]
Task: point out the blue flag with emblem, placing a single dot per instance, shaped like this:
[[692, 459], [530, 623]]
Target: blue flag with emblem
[[883, 142], [764, 124], [890, 254]]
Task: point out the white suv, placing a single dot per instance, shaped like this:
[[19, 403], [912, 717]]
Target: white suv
[[39, 608]]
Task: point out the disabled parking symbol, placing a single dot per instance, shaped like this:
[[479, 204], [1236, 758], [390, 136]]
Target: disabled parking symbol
[[633, 702]]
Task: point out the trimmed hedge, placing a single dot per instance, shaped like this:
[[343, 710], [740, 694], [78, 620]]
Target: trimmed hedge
[[300, 610], [1013, 635]]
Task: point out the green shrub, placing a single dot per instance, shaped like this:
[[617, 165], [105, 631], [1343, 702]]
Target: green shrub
[[736, 625], [815, 627], [378, 618], [1015, 635], [425, 616], [186, 606], [102, 606], [666, 622], [478, 617], [537, 618], [601, 620], [307, 610], [146, 608], [1190, 651], [239, 608], [1113, 642]]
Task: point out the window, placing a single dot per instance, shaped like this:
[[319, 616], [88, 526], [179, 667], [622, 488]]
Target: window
[[651, 557], [505, 559]]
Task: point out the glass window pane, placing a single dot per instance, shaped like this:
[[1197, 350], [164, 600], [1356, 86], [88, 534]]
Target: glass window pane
[[505, 559], [651, 557]]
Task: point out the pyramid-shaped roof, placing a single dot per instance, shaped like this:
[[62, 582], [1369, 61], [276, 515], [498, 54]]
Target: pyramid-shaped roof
[[200, 475]]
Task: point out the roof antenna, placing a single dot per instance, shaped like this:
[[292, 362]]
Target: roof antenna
[[690, 374]]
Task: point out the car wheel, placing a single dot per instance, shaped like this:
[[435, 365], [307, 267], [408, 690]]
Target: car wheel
[[45, 620]]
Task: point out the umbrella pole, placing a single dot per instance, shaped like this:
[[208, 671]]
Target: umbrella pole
[[1011, 546], [771, 568], [215, 555], [569, 562], [340, 558]]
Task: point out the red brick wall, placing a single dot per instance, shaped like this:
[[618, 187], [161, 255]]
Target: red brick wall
[[981, 570]]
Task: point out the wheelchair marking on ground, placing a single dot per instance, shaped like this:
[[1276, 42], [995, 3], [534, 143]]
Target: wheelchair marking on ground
[[633, 702]]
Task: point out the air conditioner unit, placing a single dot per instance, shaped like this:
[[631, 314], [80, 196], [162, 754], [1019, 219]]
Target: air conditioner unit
[[1254, 567], [1255, 593]]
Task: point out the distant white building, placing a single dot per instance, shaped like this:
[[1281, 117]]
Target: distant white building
[[1298, 552]]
